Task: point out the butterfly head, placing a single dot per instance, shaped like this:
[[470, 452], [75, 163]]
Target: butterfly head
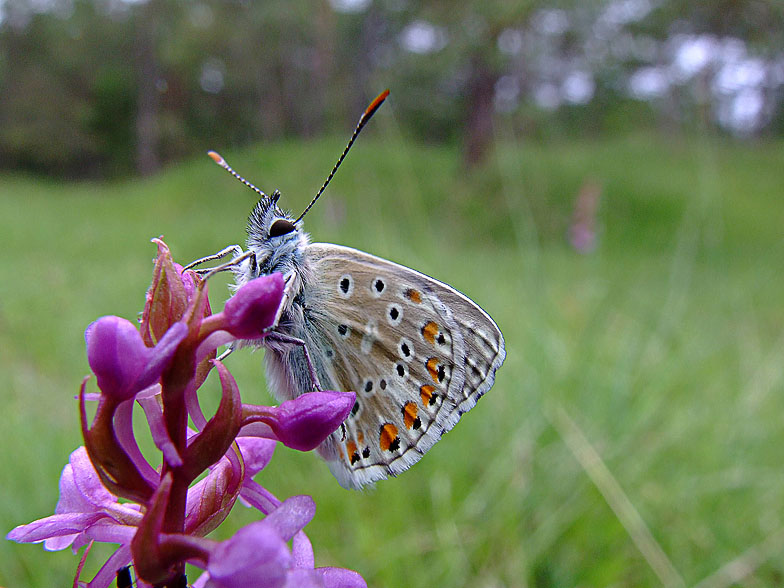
[[274, 235]]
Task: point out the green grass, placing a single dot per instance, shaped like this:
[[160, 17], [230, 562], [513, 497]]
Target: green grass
[[633, 437]]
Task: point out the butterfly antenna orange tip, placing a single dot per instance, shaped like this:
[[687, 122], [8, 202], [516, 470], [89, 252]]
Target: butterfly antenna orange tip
[[369, 111], [216, 157]]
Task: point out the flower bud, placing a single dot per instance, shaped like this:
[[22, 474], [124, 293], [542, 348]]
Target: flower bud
[[122, 363], [306, 421], [167, 298], [116, 354], [254, 307]]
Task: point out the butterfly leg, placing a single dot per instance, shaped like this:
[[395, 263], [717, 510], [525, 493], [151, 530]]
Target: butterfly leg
[[235, 261], [234, 249], [294, 342], [226, 353]]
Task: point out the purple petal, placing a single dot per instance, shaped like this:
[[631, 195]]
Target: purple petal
[[304, 578], [291, 516], [163, 353], [71, 499], [254, 307], [122, 363], [56, 525], [256, 453], [193, 406], [211, 343], [160, 435], [59, 543], [211, 499], [87, 482], [255, 556], [108, 531], [201, 581], [341, 578], [259, 430], [305, 422], [255, 495], [123, 429], [302, 550], [116, 354], [218, 435]]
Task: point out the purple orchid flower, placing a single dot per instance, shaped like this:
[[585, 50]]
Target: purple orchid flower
[[165, 516]]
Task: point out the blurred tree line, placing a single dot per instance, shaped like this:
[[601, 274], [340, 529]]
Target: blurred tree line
[[97, 88]]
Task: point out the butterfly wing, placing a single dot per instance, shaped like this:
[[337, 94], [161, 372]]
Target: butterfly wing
[[417, 353]]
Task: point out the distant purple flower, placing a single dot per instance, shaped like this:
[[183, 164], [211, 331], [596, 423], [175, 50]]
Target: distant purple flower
[[583, 228]]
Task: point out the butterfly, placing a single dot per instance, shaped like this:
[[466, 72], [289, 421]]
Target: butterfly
[[417, 352]]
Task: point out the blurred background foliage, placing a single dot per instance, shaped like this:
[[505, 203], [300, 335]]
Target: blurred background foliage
[[99, 88]]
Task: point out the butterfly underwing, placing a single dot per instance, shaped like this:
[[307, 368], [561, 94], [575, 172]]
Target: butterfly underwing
[[417, 352]]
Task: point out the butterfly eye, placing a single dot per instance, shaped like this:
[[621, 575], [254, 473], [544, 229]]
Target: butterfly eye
[[281, 227]]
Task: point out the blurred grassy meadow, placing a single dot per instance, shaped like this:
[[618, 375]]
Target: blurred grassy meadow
[[634, 434]]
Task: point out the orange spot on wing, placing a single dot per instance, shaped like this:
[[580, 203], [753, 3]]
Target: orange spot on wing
[[429, 332], [432, 368], [426, 392], [409, 414], [388, 439], [360, 437], [414, 296], [353, 454]]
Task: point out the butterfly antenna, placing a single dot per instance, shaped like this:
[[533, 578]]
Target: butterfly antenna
[[369, 111], [222, 162]]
